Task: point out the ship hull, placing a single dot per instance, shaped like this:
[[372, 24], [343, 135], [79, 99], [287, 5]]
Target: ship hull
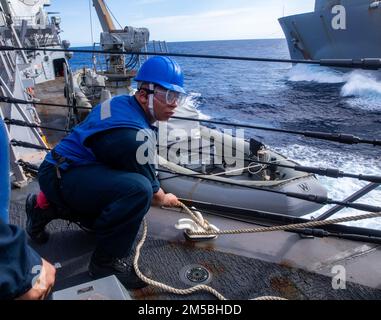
[[317, 35]]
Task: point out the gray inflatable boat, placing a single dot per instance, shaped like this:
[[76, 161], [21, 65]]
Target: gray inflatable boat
[[207, 165]]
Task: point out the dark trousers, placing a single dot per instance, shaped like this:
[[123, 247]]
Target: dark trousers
[[116, 201]]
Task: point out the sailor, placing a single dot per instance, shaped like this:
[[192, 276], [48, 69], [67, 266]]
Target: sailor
[[23, 274], [95, 172]]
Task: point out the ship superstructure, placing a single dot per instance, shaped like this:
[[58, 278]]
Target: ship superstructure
[[337, 29], [35, 27], [26, 24]]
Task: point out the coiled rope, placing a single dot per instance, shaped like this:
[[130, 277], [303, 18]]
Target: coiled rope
[[172, 289]]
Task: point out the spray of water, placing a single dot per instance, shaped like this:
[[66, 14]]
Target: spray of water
[[193, 103], [361, 88], [306, 73], [340, 189], [360, 83]]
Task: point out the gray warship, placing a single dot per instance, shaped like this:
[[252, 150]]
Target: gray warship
[[337, 29], [331, 262]]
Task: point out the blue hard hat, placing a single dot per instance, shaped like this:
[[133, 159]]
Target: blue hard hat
[[162, 71]]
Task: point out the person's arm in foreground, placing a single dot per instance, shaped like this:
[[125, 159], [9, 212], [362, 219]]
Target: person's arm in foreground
[[23, 274]]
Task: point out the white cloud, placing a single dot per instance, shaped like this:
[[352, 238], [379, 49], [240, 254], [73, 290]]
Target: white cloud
[[257, 20], [243, 23]]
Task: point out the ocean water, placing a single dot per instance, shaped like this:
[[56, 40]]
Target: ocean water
[[291, 97]]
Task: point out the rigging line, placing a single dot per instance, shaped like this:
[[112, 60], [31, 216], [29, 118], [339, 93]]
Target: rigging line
[[56, 105], [108, 8], [326, 172], [333, 173], [334, 137], [28, 145], [368, 63], [247, 215], [91, 23], [28, 167], [19, 101], [307, 197], [21, 123]]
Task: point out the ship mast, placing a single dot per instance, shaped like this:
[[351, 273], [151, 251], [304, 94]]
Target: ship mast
[[118, 70], [104, 16]]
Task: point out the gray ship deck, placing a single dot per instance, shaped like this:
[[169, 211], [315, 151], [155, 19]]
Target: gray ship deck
[[242, 267]]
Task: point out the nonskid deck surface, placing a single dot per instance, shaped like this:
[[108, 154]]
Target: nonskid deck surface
[[166, 256]]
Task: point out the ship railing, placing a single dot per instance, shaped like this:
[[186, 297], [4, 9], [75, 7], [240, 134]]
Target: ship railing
[[99, 61], [159, 46], [101, 64], [44, 40], [31, 20], [42, 37], [11, 85], [156, 46], [7, 66], [352, 198]]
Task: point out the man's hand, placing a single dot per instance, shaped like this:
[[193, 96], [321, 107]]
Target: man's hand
[[170, 200], [44, 284], [164, 199]]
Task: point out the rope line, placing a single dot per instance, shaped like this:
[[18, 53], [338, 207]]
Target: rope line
[[168, 288], [210, 231], [28, 145], [206, 226], [91, 23], [323, 200], [309, 197], [334, 137], [367, 63], [19, 101], [327, 172], [21, 123]]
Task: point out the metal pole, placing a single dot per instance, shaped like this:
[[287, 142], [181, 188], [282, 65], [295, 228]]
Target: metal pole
[[359, 194], [104, 16], [4, 174]]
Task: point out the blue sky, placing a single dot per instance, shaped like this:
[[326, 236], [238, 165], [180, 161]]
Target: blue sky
[[183, 20]]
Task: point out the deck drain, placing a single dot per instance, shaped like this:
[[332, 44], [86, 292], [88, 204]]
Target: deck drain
[[195, 275]]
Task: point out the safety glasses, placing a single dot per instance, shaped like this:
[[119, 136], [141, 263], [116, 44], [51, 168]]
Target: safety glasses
[[168, 96]]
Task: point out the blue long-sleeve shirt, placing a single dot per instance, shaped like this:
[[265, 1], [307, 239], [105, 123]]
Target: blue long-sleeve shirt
[[19, 264], [117, 149], [17, 260]]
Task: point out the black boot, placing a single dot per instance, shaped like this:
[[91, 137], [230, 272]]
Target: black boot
[[37, 219], [103, 266]]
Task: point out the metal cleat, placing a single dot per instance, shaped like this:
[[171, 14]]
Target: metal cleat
[[189, 226]]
